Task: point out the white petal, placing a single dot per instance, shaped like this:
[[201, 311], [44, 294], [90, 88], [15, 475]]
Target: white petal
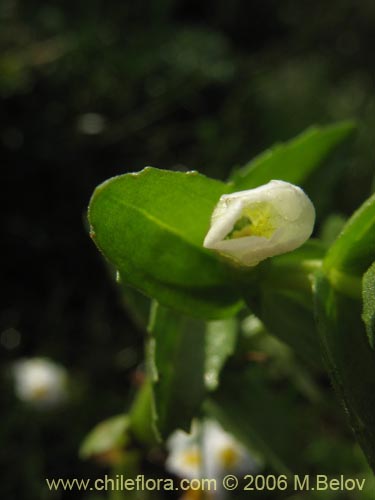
[[185, 456], [40, 381], [224, 217], [213, 446], [286, 225], [218, 445]]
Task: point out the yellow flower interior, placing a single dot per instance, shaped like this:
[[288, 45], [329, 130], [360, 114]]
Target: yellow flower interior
[[40, 392], [228, 457], [255, 220], [192, 458]]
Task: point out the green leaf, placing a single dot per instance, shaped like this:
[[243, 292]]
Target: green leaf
[[295, 160], [350, 360], [353, 252], [285, 301], [221, 337], [176, 363], [258, 417], [184, 359], [141, 416], [368, 295], [106, 437], [151, 226], [286, 315]]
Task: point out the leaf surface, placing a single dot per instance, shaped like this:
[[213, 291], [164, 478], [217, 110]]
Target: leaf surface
[[349, 358], [151, 226], [368, 296], [293, 161], [176, 365]]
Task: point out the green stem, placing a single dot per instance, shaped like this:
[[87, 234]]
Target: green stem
[[299, 275], [296, 276]]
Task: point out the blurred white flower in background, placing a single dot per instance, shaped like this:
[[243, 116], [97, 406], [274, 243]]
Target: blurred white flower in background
[[208, 452], [185, 454], [40, 381], [250, 226]]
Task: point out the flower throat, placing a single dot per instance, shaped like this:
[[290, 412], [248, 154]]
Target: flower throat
[[255, 220]]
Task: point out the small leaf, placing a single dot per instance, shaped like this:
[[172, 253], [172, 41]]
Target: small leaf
[[176, 362], [368, 295], [151, 226], [221, 339], [106, 437], [353, 252], [141, 416], [350, 360], [295, 160]]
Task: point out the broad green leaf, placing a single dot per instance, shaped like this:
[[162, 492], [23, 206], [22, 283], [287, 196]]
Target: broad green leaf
[[368, 296], [151, 226], [295, 160], [259, 418], [221, 337], [353, 252], [350, 360], [106, 437], [176, 362]]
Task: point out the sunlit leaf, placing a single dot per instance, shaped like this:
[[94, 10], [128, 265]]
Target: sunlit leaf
[[295, 160], [151, 226]]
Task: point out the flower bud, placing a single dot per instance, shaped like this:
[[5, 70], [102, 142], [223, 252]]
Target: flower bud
[[250, 226]]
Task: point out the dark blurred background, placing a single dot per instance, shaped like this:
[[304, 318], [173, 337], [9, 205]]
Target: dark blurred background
[[94, 89]]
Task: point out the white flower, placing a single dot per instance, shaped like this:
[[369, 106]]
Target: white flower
[[208, 452], [185, 454], [40, 381], [250, 226], [223, 454]]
